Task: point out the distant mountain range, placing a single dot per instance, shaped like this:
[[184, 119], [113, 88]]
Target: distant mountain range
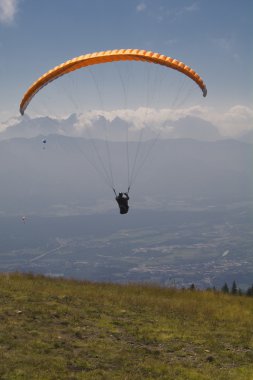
[[116, 125], [116, 128], [68, 176]]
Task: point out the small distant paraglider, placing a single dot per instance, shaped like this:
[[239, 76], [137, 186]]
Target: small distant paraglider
[[23, 219], [44, 143]]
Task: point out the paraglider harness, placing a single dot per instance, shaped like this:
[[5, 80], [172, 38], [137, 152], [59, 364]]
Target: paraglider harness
[[122, 200]]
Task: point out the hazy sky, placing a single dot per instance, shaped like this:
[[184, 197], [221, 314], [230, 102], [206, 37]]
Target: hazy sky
[[213, 37]]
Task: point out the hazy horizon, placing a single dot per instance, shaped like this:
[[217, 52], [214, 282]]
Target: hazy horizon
[[187, 158]]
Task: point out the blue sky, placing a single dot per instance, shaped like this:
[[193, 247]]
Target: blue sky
[[213, 37]]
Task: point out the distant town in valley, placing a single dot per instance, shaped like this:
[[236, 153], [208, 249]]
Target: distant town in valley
[[206, 247]]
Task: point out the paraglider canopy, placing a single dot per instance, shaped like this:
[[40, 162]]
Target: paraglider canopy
[[109, 56]]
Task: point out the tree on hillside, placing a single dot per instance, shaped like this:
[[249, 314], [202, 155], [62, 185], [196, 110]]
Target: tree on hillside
[[225, 288], [249, 291], [234, 288]]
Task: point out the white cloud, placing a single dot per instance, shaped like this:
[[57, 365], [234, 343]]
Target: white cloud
[[236, 120], [168, 12], [232, 122], [160, 13], [141, 7], [9, 121], [8, 10], [191, 8]]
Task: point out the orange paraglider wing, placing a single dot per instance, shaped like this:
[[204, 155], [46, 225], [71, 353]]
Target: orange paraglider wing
[[109, 56]]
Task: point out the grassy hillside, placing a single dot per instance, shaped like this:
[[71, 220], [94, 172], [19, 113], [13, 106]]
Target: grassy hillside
[[60, 329]]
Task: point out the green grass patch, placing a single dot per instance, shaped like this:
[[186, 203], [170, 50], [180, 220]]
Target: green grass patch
[[64, 329]]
